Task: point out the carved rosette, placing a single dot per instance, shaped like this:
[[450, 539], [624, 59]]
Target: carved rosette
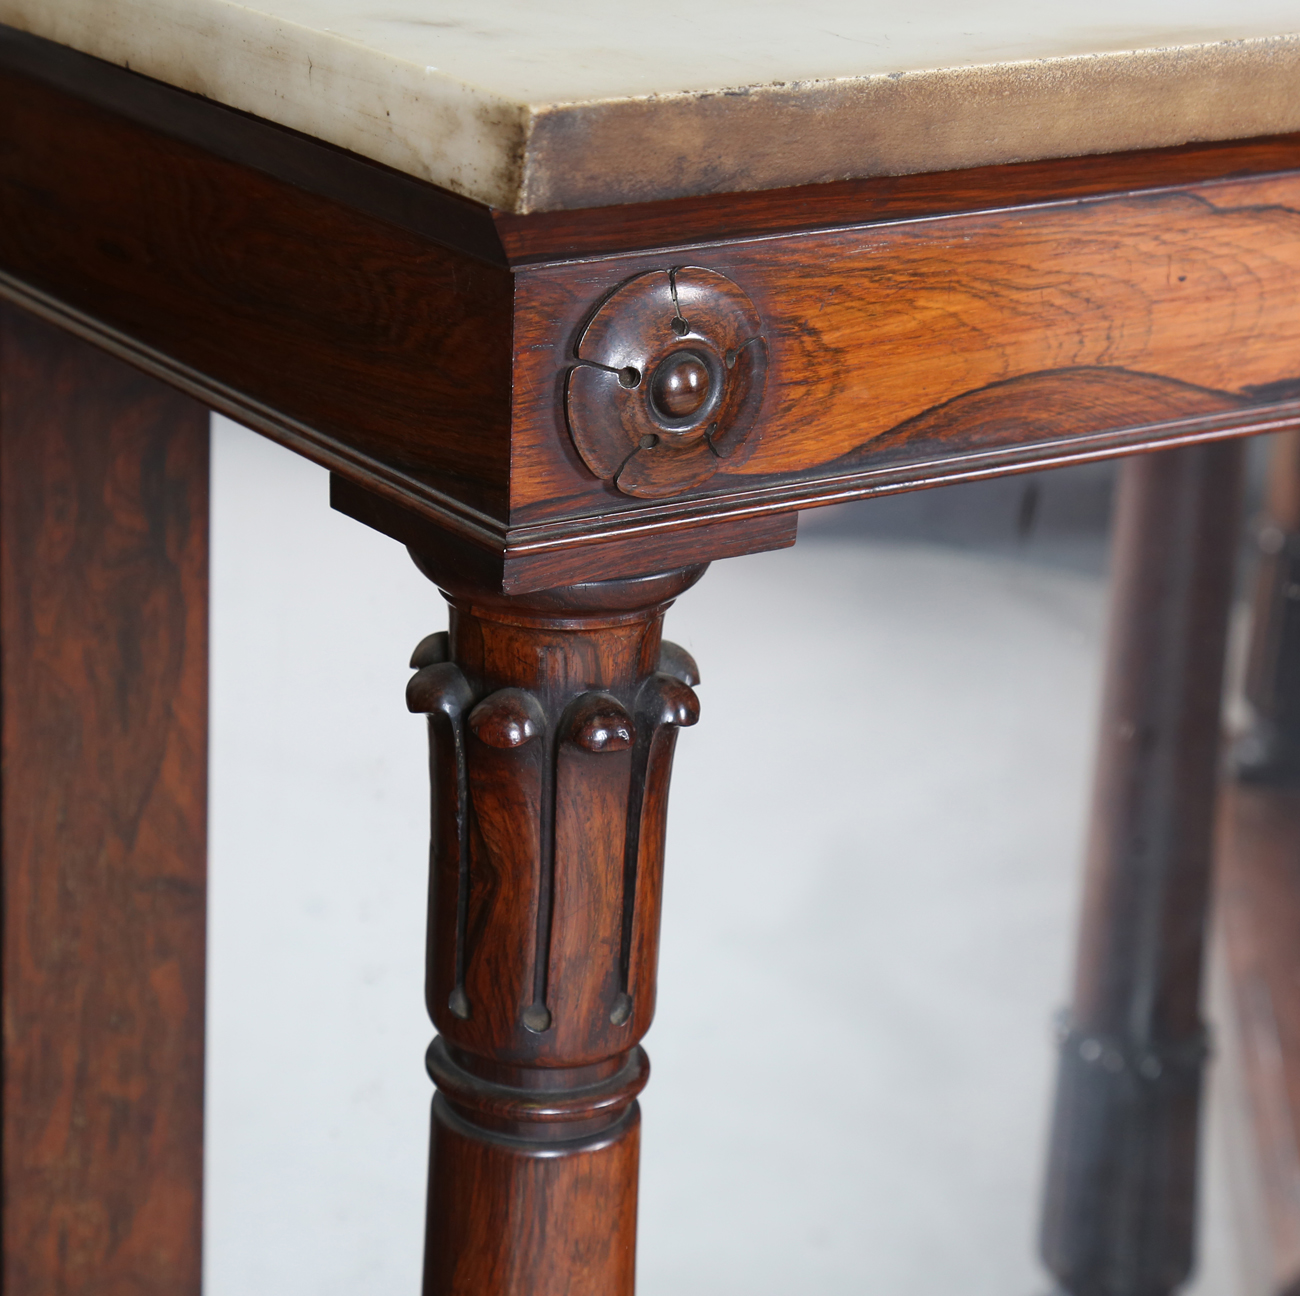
[[669, 376], [547, 857]]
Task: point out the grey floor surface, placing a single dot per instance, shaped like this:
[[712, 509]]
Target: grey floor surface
[[872, 872]]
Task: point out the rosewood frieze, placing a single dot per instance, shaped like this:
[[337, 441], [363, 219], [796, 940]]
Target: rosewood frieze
[[468, 375]]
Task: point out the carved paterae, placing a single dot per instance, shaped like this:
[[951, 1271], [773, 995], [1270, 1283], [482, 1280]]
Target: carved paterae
[[669, 376]]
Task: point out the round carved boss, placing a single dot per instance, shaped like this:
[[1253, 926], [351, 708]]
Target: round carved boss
[[669, 377]]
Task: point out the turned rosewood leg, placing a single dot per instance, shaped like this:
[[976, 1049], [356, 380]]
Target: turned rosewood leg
[[552, 722], [103, 591], [1121, 1191]]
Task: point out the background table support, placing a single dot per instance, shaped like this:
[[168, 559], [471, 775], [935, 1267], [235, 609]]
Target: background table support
[[103, 589], [1120, 1202]]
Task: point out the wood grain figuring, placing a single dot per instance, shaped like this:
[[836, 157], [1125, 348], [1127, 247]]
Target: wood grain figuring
[[103, 591], [350, 339], [872, 329], [564, 1226], [920, 330], [1120, 1201], [552, 723], [370, 322], [355, 316], [1257, 902]]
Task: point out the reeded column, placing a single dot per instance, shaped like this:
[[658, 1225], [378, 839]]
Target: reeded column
[[552, 722], [1121, 1192]]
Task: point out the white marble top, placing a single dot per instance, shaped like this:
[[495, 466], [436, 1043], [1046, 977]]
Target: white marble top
[[531, 105]]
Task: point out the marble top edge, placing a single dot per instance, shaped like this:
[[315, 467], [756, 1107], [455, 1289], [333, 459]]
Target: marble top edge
[[597, 138], [1045, 63]]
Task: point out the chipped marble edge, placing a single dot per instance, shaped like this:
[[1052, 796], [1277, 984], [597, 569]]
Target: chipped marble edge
[[528, 158], [639, 150]]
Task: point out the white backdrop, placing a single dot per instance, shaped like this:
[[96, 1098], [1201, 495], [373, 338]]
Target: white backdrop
[[868, 917]]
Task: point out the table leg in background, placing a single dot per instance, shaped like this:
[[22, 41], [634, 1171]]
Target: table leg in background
[[104, 598], [1119, 1210]]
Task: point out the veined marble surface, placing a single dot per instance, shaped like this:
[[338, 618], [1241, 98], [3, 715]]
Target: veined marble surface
[[534, 105]]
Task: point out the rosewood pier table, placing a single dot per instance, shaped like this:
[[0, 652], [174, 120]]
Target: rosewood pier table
[[572, 302]]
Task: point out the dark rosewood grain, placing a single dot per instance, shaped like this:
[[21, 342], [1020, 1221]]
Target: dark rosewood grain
[[886, 343], [1121, 1187], [552, 723], [103, 608], [361, 341], [372, 323], [354, 341], [903, 333]]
